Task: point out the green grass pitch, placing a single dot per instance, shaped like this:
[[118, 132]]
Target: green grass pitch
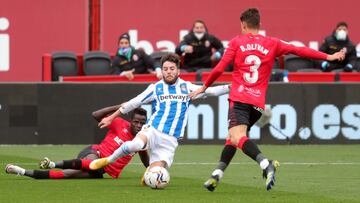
[[308, 173]]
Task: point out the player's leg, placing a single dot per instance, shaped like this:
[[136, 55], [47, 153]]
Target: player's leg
[[51, 174], [75, 168], [137, 144], [37, 174], [82, 162], [226, 156], [247, 116], [227, 153], [162, 149]]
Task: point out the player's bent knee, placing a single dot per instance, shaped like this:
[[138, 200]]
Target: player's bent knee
[[234, 139], [136, 144]]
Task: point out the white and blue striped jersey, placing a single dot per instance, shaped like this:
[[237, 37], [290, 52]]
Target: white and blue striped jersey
[[170, 104]]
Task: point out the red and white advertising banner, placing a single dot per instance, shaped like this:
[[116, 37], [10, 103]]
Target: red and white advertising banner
[[28, 29], [159, 24]]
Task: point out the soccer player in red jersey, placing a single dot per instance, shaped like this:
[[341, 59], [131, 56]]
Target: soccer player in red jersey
[[119, 132], [253, 56]]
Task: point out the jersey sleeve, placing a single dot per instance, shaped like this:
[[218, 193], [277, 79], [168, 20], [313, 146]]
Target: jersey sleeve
[[211, 91], [217, 90], [143, 98], [305, 52], [227, 58]]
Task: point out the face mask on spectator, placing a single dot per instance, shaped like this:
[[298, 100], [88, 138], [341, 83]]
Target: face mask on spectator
[[124, 50], [341, 35], [199, 36]]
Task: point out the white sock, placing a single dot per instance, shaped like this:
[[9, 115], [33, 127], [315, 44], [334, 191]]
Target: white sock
[[22, 171], [52, 164], [218, 172], [264, 164], [127, 148]]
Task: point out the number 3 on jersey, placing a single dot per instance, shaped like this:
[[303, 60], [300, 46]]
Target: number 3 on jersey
[[253, 76]]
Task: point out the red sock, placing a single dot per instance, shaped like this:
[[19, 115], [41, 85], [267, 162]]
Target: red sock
[[85, 163], [242, 141], [228, 142], [53, 174]]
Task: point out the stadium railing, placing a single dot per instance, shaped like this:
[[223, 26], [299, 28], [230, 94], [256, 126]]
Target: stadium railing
[[349, 77], [311, 77], [114, 78], [226, 77]]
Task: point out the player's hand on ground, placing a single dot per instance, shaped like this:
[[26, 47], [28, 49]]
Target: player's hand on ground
[[340, 55], [105, 122], [193, 94]]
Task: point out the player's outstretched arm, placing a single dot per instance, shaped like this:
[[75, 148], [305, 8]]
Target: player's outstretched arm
[[340, 55], [101, 113], [126, 107], [194, 94], [107, 120], [287, 48], [217, 90], [211, 91]]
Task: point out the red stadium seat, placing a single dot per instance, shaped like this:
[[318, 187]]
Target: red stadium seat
[[110, 78]]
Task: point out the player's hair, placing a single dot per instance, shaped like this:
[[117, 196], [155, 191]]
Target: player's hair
[[342, 23], [251, 17], [171, 57], [139, 111], [199, 21]]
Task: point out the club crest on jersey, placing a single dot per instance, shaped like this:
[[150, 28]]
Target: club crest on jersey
[[159, 90], [183, 88]]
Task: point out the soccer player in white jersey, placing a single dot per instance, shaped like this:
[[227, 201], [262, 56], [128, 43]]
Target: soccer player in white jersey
[[170, 103]]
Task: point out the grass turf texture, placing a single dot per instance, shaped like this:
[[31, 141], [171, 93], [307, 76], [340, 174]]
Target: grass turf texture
[[308, 173]]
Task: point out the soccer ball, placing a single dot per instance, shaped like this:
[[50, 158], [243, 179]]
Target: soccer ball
[[157, 177]]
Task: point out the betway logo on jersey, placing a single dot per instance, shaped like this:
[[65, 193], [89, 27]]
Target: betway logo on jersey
[[257, 47], [174, 97]]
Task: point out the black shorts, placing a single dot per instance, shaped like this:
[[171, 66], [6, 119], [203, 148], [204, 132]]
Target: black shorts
[[89, 150], [243, 114]]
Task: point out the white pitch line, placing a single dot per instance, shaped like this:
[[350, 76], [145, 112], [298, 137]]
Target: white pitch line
[[281, 163], [232, 163]]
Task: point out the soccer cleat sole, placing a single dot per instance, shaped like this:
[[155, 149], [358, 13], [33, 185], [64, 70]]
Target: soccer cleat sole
[[7, 167], [12, 169], [270, 180], [44, 164], [98, 164], [211, 184]]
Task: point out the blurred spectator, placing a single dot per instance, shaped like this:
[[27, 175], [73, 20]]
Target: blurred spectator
[[339, 40], [129, 61], [199, 48]]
